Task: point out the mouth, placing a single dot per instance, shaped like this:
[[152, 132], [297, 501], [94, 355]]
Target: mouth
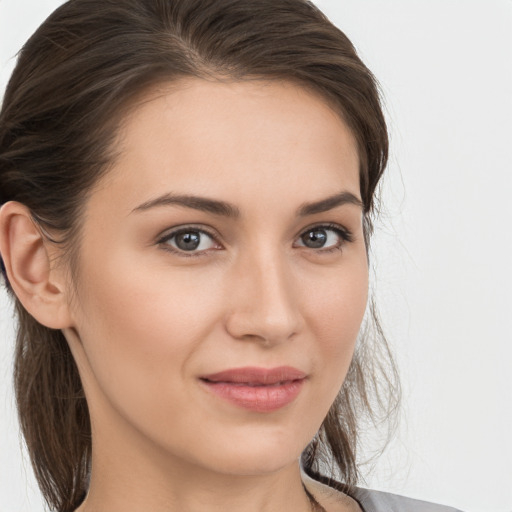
[[257, 389]]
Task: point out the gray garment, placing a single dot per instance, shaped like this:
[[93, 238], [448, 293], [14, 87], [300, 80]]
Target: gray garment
[[377, 501]]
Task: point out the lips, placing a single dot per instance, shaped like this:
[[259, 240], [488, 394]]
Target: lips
[[257, 376], [257, 389]]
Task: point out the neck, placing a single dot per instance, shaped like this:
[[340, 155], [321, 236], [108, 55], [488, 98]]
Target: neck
[[197, 490], [133, 476]]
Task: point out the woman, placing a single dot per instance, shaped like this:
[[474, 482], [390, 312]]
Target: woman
[[187, 190]]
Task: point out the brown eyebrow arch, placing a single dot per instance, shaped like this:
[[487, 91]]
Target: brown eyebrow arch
[[197, 203], [225, 209], [329, 203]]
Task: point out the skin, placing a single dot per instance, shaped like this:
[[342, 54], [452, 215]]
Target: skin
[[144, 323]]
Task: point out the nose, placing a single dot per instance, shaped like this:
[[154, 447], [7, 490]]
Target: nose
[[263, 300]]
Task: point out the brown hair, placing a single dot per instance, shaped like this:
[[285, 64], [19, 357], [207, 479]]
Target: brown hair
[[72, 82]]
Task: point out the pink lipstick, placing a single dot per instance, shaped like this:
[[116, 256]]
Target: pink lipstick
[[257, 389]]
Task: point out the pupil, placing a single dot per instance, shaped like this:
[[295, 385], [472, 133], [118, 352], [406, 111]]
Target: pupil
[[188, 241], [315, 238]]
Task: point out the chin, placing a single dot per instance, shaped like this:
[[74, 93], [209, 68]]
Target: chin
[[254, 465], [255, 455]]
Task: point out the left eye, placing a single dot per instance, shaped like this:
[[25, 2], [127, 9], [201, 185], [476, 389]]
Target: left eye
[[189, 240], [324, 237]]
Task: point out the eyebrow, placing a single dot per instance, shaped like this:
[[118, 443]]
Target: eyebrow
[[225, 209], [204, 204], [329, 203]]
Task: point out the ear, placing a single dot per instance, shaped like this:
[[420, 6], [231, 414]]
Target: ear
[[27, 259]]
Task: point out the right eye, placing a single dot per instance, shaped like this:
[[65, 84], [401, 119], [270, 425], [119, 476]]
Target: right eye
[[188, 240]]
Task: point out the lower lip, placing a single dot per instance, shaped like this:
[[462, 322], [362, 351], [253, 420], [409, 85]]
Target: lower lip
[[266, 398]]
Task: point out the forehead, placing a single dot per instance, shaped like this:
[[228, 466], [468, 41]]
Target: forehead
[[223, 138]]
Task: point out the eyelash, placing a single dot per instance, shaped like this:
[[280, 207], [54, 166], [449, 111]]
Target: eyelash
[[345, 235]]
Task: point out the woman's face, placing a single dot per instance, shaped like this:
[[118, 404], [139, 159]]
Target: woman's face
[[222, 277]]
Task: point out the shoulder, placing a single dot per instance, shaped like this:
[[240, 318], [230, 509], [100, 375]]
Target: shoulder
[[335, 499], [377, 501]]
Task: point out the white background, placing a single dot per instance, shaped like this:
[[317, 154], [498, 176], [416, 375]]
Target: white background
[[442, 250]]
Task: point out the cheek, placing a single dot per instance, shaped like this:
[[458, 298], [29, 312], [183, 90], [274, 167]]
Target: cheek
[[127, 297], [140, 327], [335, 313], [337, 307]]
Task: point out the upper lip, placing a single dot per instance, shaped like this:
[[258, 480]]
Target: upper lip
[[255, 375]]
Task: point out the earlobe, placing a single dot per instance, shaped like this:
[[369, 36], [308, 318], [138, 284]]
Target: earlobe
[[26, 257]]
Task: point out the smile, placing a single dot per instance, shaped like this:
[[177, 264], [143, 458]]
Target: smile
[[257, 389]]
